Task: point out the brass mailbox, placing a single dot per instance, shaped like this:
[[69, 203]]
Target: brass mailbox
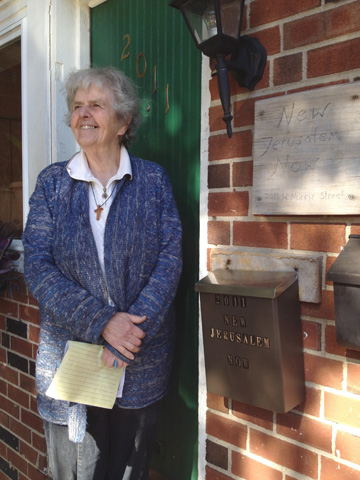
[[345, 273], [253, 337]]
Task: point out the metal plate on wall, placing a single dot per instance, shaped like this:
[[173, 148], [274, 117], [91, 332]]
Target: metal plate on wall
[[253, 338]]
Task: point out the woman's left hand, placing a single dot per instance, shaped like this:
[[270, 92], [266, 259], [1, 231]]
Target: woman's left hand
[[109, 359]]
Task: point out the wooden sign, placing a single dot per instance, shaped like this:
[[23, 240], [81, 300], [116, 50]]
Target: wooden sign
[[307, 153]]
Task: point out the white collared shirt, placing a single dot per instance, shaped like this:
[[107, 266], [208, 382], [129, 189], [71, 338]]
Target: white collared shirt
[[78, 168]]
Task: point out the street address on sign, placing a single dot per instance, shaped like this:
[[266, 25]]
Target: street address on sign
[[307, 153]]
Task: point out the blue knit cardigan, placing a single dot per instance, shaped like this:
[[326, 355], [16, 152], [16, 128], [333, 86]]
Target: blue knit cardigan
[[143, 262]]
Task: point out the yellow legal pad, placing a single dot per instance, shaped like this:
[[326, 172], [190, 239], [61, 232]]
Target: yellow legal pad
[[83, 377]]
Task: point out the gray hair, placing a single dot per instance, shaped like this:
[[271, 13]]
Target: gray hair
[[126, 102]]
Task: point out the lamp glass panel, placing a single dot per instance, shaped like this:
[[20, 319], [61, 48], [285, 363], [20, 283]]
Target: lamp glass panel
[[201, 17], [230, 17]]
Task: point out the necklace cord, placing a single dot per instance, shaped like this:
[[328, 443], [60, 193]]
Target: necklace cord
[[107, 198], [99, 208]]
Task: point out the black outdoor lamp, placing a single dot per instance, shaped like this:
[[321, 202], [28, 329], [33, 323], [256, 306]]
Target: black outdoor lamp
[[215, 26]]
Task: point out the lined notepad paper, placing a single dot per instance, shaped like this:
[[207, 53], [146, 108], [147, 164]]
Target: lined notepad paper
[[83, 377]]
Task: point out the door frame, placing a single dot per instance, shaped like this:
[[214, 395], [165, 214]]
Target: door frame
[[203, 247], [203, 250]]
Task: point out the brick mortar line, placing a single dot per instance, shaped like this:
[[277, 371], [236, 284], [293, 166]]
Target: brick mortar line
[[325, 355], [313, 83], [228, 473], [341, 393], [230, 161], [28, 462], [276, 435], [317, 45], [23, 441], [20, 338], [274, 90], [229, 189], [32, 430], [296, 16], [262, 460], [15, 352], [16, 370], [232, 250]]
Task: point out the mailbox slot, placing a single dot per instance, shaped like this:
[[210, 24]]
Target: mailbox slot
[[253, 337], [345, 273]]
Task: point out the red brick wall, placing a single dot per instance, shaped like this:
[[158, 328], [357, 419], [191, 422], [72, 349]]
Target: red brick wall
[[22, 444], [310, 43]]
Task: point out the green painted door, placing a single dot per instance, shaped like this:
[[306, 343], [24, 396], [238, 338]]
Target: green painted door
[[149, 41]]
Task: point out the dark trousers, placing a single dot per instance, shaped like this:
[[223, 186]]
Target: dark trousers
[[117, 446]]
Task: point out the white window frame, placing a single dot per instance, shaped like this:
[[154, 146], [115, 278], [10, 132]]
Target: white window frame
[[55, 39], [14, 27]]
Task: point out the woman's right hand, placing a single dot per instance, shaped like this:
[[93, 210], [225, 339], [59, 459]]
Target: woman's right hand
[[123, 333]]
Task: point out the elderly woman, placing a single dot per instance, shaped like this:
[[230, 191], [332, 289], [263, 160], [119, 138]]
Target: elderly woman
[[103, 260]]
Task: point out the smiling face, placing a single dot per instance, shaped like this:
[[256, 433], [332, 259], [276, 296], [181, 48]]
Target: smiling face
[[94, 123]]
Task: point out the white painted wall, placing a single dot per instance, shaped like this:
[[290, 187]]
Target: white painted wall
[[204, 146], [69, 50]]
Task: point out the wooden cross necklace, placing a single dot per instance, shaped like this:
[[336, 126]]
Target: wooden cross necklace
[[98, 210]]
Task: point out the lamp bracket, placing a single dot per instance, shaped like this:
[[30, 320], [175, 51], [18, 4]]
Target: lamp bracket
[[247, 62]]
